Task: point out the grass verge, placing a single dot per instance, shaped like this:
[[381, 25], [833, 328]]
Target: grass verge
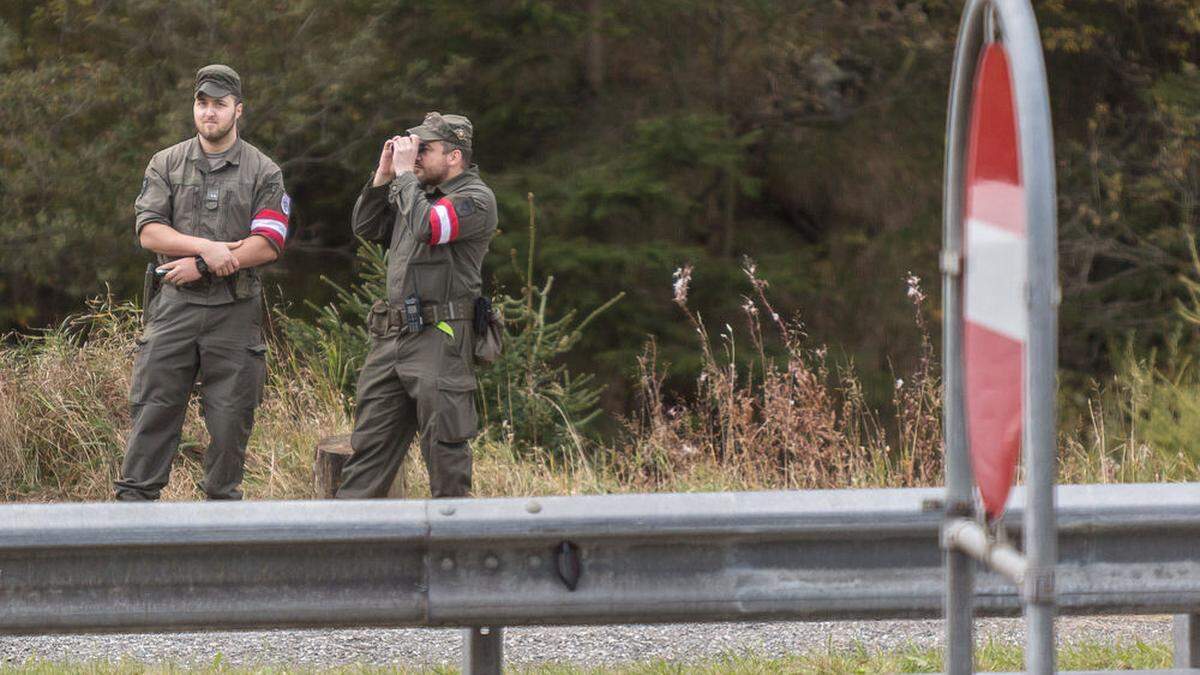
[[761, 418]]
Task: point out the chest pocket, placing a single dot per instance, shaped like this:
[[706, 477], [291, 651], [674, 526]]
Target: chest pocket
[[233, 213], [430, 278], [186, 204]]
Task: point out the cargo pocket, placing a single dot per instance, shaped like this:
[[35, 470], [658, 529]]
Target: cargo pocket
[[253, 376], [456, 371], [138, 380], [457, 419], [456, 386]]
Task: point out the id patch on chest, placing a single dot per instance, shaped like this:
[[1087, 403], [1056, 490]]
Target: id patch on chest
[[212, 198]]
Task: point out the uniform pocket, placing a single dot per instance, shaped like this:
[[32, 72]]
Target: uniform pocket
[[235, 210], [377, 319], [188, 200], [138, 380], [254, 374], [430, 280], [456, 372], [457, 419]]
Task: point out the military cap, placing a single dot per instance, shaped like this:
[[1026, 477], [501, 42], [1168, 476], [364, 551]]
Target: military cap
[[438, 127], [218, 80]]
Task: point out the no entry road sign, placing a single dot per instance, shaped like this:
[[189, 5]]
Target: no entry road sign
[[1000, 298], [996, 320]]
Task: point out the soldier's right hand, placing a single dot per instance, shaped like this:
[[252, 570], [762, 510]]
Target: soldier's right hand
[[384, 172], [220, 259]]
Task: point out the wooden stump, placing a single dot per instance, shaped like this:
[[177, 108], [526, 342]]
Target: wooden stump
[[332, 453]]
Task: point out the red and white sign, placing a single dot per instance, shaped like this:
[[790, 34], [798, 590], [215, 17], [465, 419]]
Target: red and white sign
[[995, 312]]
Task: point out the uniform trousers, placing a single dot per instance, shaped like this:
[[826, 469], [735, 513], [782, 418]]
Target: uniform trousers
[[221, 348], [414, 382]]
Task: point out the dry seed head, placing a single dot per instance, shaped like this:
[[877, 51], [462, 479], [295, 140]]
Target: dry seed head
[[914, 287], [682, 279]]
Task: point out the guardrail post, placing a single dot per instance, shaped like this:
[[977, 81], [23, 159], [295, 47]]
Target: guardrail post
[[483, 651], [1186, 631]]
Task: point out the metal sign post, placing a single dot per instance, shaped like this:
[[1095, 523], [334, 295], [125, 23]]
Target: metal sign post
[[1011, 25]]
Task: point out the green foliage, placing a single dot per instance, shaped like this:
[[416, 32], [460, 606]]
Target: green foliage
[[1129, 178], [532, 399], [336, 339], [660, 133]]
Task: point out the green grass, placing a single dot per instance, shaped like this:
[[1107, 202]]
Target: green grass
[[990, 656]]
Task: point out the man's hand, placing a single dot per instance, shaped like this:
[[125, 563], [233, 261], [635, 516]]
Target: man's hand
[[404, 153], [219, 257], [384, 172], [182, 271]]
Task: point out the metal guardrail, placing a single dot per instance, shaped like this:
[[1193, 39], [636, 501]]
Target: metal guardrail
[[831, 554]]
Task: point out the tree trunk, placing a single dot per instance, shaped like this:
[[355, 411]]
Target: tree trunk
[[332, 453], [594, 59]]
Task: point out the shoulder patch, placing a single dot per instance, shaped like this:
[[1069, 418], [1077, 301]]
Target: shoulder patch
[[145, 182], [286, 204], [464, 206]]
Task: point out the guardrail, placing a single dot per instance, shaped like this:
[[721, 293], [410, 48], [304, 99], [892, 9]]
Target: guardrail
[[819, 555]]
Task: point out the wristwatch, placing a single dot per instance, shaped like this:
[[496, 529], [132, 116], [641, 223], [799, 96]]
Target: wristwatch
[[201, 266]]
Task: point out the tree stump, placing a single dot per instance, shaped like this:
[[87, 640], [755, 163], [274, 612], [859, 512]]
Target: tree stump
[[332, 453]]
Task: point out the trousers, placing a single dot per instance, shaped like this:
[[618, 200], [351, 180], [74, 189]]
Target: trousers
[[413, 382], [222, 348]]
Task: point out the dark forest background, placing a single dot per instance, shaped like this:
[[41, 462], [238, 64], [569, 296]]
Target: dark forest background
[[807, 135]]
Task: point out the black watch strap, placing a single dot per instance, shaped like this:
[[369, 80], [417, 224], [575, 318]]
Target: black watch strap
[[201, 265]]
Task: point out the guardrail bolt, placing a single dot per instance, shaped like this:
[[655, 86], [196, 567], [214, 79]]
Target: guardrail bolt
[[447, 563], [535, 561], [533, 507], [446, 510], [491, 562], [569, 566]]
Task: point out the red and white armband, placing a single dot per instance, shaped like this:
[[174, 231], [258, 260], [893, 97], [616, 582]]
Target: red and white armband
[[271, 224], [443, 222]]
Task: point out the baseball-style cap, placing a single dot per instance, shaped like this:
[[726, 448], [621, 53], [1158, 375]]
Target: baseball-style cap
[[218, 80], [438, 127]]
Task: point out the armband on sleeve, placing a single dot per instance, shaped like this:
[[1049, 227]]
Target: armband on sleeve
[[272, 211], [443, 222], [271, 224]]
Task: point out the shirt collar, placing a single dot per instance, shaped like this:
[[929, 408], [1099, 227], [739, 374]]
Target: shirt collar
[[454, 183], [232, 156]]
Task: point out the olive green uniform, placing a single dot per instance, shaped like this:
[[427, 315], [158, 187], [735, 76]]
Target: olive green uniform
[[209, 330], [421, 381]]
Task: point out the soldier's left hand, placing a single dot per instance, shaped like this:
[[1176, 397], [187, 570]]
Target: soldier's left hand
[[182, 271], [404, 153]]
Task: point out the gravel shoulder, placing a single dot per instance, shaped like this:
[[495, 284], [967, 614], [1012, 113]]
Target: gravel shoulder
[[579, 645]]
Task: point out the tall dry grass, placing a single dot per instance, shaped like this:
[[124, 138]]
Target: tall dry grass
[[782, 422], [780, 418], [64, 415]]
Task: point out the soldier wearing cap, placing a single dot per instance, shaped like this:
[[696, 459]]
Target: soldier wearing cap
[[428, 205], [212, 209]]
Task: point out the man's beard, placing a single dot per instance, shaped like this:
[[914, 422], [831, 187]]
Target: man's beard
[[218, 135], [428, 177]]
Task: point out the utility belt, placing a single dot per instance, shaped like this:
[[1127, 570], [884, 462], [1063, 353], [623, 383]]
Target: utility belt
[[414, 315]]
